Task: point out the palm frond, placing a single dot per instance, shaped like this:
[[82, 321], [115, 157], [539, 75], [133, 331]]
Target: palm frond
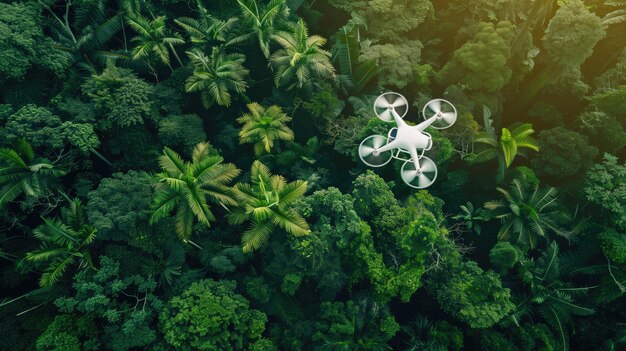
[[184, 222], [46, 253], [293, 191], [256, 235], [291, 222], [163, 203], [55, 271], [172, 163]]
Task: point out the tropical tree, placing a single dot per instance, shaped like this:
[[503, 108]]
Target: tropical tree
[[346, 54], [616, 12], [22, 172], [295, 153], [117, 208], [466, 291], [301, 59], [513, 141], [481, 63], [354, 325], [386, 22], [573, 24], [24, 44], [262, 127], [63, 241], [528, 212], [606, 186], [261, 21], [121, 302], [424, 334], [154, 40], [210, 315], [215, 77], [82, 33], [206, 29], [397, 64], [565, 153], [267, 203], [187, 186], [551, 297]]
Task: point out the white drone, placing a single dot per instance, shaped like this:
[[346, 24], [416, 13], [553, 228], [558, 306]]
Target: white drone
[[418, 171]]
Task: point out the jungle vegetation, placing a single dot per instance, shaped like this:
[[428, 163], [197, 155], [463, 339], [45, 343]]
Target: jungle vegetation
[[183, 175]]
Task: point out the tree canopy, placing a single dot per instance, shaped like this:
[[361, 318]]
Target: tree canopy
[[186, 175]]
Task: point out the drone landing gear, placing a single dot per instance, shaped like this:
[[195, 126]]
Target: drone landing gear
[[422, 177]]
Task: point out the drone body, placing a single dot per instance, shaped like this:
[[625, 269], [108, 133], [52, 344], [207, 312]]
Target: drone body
[[404, 140]]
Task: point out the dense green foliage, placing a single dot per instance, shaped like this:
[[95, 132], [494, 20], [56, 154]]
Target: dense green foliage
[[184, 175], [209, 315]]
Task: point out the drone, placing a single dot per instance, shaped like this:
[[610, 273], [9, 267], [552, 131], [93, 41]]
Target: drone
[[406, 142]]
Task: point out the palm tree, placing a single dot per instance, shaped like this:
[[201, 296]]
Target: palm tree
[[550, 297], [267, 203], [154, 41], [616, 12], [354, 325], [511, 140], [207, 30], [21, 172], [63, 241], [528, 212], [295, 154], [261, 21], [421, 334], [186, 186], [301, 59], [262, 127], [216, 76], [82, 35], [346, 54]]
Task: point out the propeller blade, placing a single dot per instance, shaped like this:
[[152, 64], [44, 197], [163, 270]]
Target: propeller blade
[[382, 102], [366, 150], [378, 142], [449, 117], [399, 102], [408, 175], [386, 115], [426, 166], [435, 106], [423, 181]]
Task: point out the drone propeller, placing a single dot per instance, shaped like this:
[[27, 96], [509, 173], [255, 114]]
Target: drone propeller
[[368, 151], [422, 177], [443, 110], [387, 102]]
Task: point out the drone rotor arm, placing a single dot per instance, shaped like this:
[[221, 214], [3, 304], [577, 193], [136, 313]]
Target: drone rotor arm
[[397, 118], [425, 124], [415, 158], [389, 146]]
